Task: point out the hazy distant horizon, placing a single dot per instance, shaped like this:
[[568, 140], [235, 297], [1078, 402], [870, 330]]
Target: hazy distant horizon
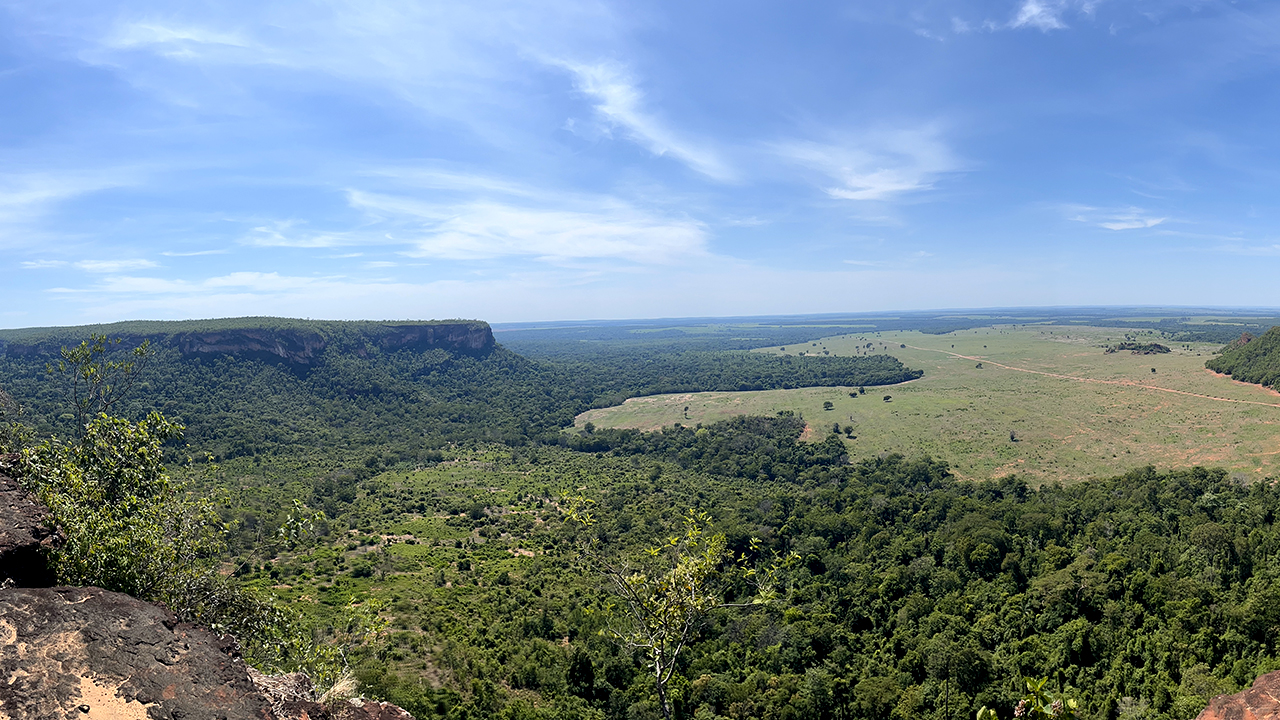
[[1153, 311]]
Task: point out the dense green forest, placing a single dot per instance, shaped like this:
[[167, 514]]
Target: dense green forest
[[910, 594], [1257, 360]]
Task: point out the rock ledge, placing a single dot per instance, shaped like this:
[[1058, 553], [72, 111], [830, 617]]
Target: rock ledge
[[1260, 702]]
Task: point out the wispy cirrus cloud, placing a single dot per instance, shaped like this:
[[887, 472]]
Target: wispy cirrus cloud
[[297, 234], [115, 266], [241, 281], [451, 60], [26, 198], [620, 105], [489, 229], [448, 215], [1046, 15], [178, 41], [195, 253], [1039, 14], [1127, 218], [875, 165]]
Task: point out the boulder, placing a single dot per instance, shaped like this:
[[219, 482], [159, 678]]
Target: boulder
[[293, 697], [86, 654], [1260, 702], [25, 535]]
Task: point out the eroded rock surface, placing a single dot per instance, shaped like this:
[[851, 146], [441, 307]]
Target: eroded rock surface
[[63, 650], [293, 697], [24, 537], [1260, 702]]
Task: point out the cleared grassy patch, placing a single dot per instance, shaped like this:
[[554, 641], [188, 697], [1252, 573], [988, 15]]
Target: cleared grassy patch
[[1075, 410]]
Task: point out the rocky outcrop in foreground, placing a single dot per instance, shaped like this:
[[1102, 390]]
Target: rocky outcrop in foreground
[[1260, 702], [24, 537], [89, 653]]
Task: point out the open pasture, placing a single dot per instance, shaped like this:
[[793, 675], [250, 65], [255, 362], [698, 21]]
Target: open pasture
[[1075, 410]]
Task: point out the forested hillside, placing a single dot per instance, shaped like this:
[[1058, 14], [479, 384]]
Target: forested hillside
[[265, 385], [1252, 360]]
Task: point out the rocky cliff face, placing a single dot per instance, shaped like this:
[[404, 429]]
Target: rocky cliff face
[[302, 347], [1260, 702]]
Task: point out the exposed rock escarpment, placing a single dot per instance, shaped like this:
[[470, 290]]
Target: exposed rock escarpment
[[296, 342], [62, 649], [1260, 702], [25, 536], [300, 347]]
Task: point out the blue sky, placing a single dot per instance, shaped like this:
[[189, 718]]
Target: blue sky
[[560, 160]]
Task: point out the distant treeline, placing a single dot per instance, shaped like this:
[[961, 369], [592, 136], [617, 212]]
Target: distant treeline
[[1256, 360], [616, 377], [751, 447], [589, 339]]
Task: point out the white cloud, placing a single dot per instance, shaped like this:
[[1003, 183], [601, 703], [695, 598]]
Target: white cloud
[[459, 216], [1133, 223], [246, 281], [1129, 218], [173, 41], [603, 228], [42, 264], [195, 253], [1046, 15], [26, 198], [292, 233], [452, 60], [114, 266], [620, 104], [876, 165], [1040, 14]]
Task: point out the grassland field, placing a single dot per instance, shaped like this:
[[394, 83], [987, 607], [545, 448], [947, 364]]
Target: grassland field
[[1076, 411]]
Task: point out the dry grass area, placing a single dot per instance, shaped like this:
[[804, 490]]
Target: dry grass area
[[1076, 411]]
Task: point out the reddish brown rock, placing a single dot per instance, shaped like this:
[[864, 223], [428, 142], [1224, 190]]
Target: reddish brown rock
[[1260, 702], [25, 535]]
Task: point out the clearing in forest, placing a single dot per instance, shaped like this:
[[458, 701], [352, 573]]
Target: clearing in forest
[[1048, 403]]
